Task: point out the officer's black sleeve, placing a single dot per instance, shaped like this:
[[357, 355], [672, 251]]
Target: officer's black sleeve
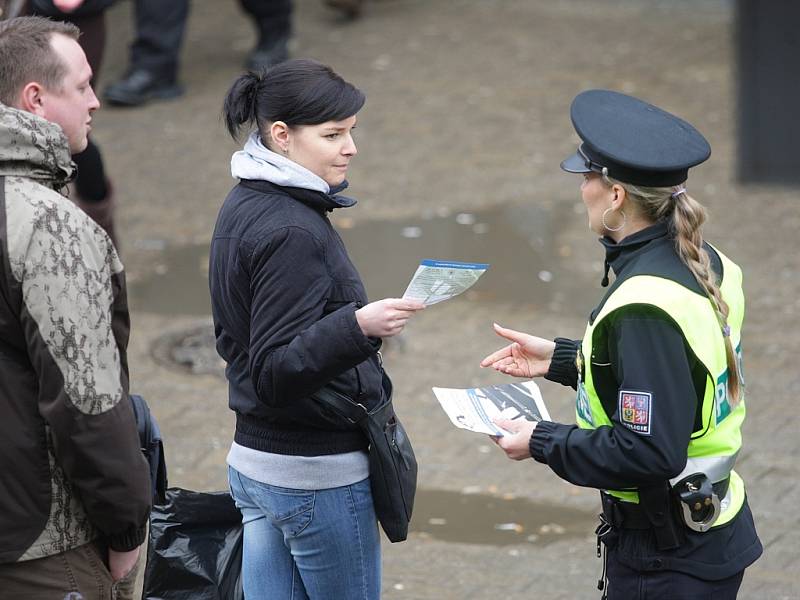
[[648, 357], [562, 366]]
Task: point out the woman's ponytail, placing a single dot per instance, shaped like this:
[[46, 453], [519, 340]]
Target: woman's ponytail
[[241, 102], [688, 216], [685, 217]]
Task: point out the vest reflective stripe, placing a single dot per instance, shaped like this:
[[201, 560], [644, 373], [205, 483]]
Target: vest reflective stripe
[[733, 501], [713, 448], [716, 467]]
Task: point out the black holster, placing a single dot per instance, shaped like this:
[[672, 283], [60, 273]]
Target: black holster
[[659, 508]]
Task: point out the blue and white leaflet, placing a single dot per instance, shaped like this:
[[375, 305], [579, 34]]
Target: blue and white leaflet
[[439, 280]]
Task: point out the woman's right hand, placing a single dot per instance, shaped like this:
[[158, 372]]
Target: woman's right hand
[[527, 356], [387, 317]]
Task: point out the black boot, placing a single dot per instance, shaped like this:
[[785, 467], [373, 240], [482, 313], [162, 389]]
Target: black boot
[[268, 52], [273, 23], [349, 8], [140, 86]]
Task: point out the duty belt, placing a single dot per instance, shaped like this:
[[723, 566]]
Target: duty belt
[[628, 515]]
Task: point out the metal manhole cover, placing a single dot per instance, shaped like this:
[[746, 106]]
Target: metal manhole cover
[[192, 350]]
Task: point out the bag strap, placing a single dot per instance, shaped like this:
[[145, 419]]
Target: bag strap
[[342, 405]]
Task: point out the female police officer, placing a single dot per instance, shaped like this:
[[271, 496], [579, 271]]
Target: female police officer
[[660, 399]]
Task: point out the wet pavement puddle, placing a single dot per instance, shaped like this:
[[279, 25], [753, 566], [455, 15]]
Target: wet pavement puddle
[[517, 242], [476, 518], [176, 282]]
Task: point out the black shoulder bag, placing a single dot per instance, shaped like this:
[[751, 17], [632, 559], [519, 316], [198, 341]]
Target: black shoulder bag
[[392, 464]]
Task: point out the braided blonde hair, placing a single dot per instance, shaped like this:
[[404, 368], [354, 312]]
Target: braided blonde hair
[[685, 217]]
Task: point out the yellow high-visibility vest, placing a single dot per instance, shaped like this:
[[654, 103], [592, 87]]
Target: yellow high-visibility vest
[[712, 448]]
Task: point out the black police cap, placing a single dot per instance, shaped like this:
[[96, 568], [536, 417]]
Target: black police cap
[[636, 142]]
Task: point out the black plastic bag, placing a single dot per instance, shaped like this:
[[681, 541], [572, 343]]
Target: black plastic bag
[[195, 549]]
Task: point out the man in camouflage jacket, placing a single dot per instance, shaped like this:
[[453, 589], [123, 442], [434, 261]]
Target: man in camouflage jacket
[[74, 486]]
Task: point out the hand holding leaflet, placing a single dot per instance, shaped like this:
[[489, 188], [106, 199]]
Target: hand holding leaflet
[[439, 280], [387, 317], [476, 408]]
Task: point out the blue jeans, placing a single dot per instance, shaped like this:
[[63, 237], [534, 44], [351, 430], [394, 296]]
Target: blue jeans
[[308, 544]]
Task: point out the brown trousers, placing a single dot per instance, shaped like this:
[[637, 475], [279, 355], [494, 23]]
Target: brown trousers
[[78, 574]]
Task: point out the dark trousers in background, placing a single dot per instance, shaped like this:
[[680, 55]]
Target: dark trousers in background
[[91, 184], [160, 26]]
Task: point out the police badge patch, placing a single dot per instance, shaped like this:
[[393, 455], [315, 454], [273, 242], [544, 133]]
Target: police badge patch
[[635, 410]]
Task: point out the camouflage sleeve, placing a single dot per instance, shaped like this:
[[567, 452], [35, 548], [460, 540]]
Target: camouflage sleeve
[[76, 327]]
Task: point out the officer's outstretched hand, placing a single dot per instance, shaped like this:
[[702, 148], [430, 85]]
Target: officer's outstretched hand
[[515, 443], [528, 356]]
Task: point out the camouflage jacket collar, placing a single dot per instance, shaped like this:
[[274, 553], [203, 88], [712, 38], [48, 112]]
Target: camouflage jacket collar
[[34, 148]]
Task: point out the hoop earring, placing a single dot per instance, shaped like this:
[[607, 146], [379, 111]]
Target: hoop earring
[[622, 226]]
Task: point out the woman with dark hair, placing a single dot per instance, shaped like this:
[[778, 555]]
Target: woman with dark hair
[[291, 316], [660, 396]]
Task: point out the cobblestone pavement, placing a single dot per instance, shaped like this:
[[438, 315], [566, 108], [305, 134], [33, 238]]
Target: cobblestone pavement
[[467, 113]]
